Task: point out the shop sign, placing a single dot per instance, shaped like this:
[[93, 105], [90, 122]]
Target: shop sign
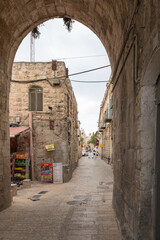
[[50, 147], [22, 156]]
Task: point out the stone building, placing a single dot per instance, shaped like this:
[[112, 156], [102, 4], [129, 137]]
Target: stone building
[[37, 88], [105, 124], [130, 33], [79, 140]]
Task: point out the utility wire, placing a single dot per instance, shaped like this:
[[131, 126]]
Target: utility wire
[[81, 57], [62, 77], [89, 81], [45, 79], [91, 70], [78, 73], [29, 81]]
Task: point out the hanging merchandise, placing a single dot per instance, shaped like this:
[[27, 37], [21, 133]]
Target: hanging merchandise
[[21, 167], [46, 172]]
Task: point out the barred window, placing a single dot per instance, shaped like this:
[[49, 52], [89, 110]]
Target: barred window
[[36, 99]]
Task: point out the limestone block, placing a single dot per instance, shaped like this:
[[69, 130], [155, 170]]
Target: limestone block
[[27, 183], [13, 190]]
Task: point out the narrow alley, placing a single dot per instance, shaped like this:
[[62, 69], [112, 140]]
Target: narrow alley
[[78, 210]]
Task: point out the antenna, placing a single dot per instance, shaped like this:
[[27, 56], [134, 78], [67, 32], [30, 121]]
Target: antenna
[[32, 48]]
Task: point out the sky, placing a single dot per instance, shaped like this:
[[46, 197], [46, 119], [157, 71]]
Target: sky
[[57, 43]]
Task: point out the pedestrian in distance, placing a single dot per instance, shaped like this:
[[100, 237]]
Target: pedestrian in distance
[[94, 153], [90, 154]]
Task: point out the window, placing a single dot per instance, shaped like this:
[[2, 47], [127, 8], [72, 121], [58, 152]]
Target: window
[[35, 99]]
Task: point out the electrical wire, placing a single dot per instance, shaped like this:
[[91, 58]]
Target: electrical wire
[[62, 77], [78, 73], [39, 80], [32, 81], [29, 81], [78, 81], [81, 57], [91, 70]]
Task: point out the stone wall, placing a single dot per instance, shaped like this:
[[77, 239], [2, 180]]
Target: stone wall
[[51, 126], [134, 128], [105, 124], [79, 140], [107, 143], [23, 143]]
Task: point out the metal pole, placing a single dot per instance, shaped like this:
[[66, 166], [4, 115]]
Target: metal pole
[[32, 48], [31, 146]]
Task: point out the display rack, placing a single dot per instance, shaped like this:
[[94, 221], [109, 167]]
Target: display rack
[[21, 170], [46, 172], [12, 165]]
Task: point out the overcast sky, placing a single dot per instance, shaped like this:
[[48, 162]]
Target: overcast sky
[[56, 42]]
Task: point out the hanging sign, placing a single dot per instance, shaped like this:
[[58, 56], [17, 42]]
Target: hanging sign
[[50, 147]]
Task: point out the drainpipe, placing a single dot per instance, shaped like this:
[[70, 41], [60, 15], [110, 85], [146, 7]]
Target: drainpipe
[[31, 146]]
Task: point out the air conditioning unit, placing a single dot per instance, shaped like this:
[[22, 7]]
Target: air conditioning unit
[[56, 82]]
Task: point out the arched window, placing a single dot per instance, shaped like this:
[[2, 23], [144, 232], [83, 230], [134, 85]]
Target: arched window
[[35, 99]]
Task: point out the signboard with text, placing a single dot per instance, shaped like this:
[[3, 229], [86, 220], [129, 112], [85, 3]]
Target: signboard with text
[[50, 147]]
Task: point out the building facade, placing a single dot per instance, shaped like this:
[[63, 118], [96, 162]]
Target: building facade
[[79, 140], [44, 91], [105, 125]]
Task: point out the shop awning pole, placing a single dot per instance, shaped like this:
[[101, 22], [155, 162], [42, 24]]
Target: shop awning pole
[[31, 146]]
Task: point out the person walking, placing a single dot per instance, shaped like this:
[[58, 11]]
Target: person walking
[[94, 153], [90, 154]]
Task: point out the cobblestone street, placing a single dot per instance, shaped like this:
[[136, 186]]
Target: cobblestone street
[[78, 210]]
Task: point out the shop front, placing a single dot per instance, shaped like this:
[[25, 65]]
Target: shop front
[[19, 154]]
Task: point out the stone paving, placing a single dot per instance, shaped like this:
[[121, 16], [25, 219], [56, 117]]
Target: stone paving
[[78, 210]]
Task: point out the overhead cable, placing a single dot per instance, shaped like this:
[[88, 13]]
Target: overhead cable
[[88, 81], [45, 79], [81, 57], [91, 70], [29, 81], [62, 77], [32, 81]]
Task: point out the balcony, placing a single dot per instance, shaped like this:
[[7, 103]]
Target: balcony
[[102, 126], [107, 115]]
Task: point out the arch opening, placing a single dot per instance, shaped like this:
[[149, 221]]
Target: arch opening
[[109, 21], [40, 70]]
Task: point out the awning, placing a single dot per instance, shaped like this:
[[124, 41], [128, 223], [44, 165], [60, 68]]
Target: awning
[[14, 131]]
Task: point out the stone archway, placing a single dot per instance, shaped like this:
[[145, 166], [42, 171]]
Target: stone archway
[[150, 144], [17, 20], [130, 33]]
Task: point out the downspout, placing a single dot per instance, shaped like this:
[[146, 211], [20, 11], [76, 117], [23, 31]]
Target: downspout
[[31, 146]]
